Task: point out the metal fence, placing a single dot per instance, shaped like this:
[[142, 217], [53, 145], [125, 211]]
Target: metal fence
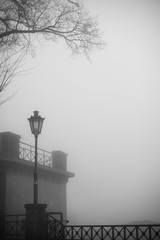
[[27, 152], [112, 232], [13, 227], [55, 227]]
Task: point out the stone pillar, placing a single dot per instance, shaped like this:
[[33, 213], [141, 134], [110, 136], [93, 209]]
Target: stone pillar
[[9, 145], [59, 160], [36, 228]]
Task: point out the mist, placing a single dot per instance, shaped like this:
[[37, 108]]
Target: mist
[[104, 114]]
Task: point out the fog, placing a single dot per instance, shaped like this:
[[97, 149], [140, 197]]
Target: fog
[[105, 114]]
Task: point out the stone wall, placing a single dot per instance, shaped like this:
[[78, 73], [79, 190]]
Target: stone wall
[[19, 191]]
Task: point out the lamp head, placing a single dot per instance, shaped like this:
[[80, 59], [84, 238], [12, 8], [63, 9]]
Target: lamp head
[[36, 122]]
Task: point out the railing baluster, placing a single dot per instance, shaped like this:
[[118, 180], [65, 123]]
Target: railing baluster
[[137, 232], [113, 232], [81, 233], [72, 232], [91, 229], [102, 233], [150, 235], [124, 229]]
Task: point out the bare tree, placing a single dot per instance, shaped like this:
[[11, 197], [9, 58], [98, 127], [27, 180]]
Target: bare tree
[[10, 67], [23, 22]]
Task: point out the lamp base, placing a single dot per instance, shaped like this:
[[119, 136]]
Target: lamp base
[[35, 222]]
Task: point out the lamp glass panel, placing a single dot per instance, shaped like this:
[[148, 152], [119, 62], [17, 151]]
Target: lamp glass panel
[[40, 124], [31, 124], [36, 126]]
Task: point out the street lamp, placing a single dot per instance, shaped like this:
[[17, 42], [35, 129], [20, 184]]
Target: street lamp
[[36, 123]]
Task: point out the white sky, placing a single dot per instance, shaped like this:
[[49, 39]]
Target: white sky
[[104, 114]]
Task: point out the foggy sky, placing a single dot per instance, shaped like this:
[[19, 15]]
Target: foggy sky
[[104, 114]]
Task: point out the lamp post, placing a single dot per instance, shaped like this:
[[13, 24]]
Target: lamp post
[[36, 123]]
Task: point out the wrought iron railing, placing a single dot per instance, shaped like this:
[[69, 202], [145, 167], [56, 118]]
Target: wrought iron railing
[[112, 232], [12, 226], [56, 215], [27, 152], [55, 227]]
